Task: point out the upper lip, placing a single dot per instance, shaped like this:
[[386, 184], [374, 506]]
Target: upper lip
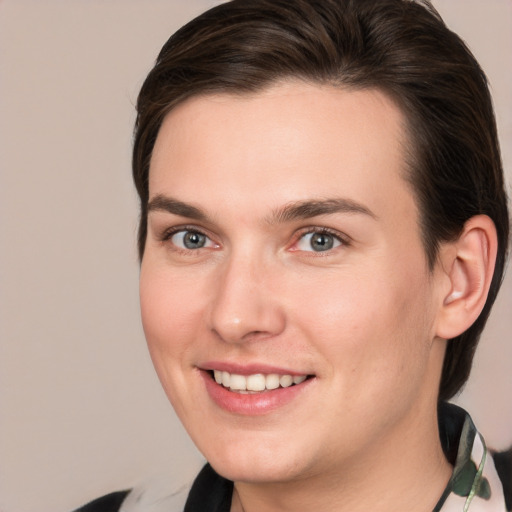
[[248, 369]]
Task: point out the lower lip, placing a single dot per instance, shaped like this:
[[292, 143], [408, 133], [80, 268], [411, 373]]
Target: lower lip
[[253, 404]]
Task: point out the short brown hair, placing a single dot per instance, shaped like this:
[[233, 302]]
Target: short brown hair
[[401, 47]]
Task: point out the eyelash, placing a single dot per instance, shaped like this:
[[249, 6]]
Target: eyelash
[[342, 239], [169, 233]]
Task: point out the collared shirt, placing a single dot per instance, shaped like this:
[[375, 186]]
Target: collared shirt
[[475, 485]]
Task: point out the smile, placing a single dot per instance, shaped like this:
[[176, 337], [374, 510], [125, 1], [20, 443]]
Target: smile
[[253, 391], [256, 382]]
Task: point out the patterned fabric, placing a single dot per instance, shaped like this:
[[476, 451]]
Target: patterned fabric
[[475, 485]]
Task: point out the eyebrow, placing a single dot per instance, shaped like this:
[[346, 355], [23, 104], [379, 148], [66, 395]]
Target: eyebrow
[[170, 205], [292, 211], [308, 209]]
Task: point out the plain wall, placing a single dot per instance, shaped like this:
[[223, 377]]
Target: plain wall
[[81, 411]]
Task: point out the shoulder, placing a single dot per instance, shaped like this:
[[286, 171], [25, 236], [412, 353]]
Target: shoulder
[[109, 503], [207, 492], [148, 498], [140, 499], [503, 463], [481, 479], [166, 490], [162, 493]]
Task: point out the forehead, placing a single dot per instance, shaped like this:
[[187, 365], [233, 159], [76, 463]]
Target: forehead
[[290, 142]]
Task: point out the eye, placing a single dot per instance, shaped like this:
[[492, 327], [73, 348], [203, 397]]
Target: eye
[[318, 241], [190, 240]]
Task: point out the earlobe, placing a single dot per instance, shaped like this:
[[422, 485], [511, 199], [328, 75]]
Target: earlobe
[[469, 265]]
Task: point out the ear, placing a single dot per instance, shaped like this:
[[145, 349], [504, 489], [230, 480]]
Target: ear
[[468, 262]]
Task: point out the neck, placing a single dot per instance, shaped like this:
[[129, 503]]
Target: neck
[[406, 468]]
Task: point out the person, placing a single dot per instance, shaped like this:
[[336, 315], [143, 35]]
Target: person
[[323, 233]]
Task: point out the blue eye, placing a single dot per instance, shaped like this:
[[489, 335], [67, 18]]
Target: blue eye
[[318, 241], [191, 240]]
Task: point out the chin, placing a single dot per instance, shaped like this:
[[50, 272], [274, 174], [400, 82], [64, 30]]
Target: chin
[[250, 471], [249, 459]]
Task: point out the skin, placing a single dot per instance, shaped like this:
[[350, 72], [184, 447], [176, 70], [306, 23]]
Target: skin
[[362, 318]]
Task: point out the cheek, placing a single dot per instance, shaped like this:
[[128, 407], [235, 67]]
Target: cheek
[[169, 310], [170, 313], [365, 324]]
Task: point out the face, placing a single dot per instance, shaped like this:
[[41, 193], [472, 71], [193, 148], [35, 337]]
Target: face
[[285, 293]]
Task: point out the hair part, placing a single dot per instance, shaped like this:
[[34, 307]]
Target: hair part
[[400, 47]]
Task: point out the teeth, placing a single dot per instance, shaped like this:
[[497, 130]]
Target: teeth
[[238, 382], [286, 381], [272, 381], [256, 382]]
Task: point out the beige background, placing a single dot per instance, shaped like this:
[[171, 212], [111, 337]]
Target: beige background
[[81, 411]]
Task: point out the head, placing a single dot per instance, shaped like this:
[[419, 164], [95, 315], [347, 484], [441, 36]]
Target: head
[[399, 47], [315, 179]]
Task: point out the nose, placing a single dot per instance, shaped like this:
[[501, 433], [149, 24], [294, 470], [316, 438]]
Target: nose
[[246, 303]]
